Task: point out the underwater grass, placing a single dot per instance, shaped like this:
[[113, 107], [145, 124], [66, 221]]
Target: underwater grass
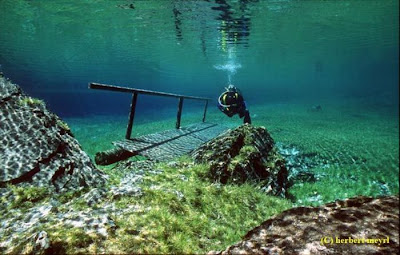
[[182, 212], [185, 213], [354, 139], [358, 145], [30, 101]]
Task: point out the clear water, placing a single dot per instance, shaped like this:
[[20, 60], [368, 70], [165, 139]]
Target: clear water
[[286, 56], [274, 51]]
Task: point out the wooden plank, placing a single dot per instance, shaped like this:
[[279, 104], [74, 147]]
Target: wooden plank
[[171, 143]]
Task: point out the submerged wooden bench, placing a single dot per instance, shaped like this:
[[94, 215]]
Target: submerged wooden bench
[[163, 145]]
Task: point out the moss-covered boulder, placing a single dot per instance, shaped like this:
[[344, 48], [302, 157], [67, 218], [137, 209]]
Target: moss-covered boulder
[[37, 147], [242, 154]]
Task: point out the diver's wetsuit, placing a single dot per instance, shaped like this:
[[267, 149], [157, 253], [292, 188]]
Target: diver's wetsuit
[[231, 102]]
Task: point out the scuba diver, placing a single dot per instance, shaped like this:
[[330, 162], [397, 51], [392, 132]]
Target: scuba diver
[[231, 102]]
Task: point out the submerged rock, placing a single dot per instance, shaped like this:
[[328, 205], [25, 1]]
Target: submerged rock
[[41, 242], [361, 225], [245, 153], [70, 222], [37, 147]]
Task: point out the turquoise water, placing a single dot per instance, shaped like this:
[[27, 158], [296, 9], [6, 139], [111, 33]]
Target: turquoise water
[[274, 51], [286, 57]]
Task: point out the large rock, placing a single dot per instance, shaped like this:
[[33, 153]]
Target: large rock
[[361, 225], [37, 147], [245, 153]]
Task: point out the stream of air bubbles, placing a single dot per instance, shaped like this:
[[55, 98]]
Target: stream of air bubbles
[[230, 66]]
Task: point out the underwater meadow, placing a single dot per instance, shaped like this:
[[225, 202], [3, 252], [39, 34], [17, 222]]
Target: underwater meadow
[[320, 76]]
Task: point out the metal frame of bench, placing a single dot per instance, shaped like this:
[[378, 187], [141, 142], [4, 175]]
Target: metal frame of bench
[[135, 93]]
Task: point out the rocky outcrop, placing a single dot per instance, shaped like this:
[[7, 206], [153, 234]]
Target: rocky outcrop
[[361, 225], [245, 153], [49, 226], [37, 147]]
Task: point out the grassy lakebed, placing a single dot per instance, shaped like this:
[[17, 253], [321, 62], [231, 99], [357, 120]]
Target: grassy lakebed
[[175, 208], [355, 141]]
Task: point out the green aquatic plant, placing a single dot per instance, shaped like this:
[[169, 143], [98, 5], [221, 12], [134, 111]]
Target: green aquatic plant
[[247, 149], [70, 240], [340, 183], [30, 101], [25, 197], [67, 196], [182, 212], [63, 125]]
